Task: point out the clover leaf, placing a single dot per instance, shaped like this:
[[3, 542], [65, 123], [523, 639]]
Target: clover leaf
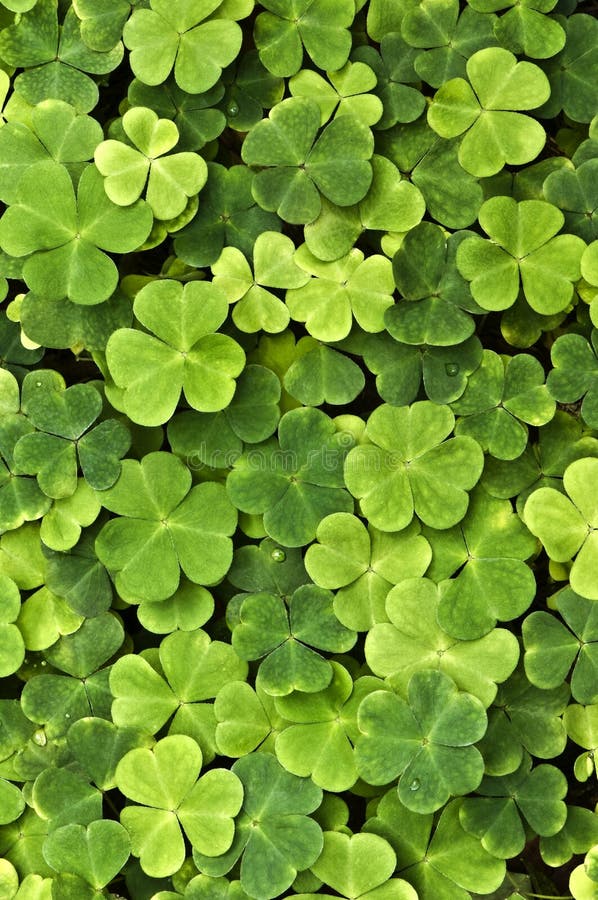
[[317, 743], [400, 370], [44, 618], [575, 373], [500, 395], [344, 93], [351, 287], [57, 133], [574, 192], [523, 717], [394, 476], [452, 195], [258, 308], [482, 108], [356, 865], [413, 640], [216, 439], [64, 237], [267, 567], [296, 480], [522, 246], [577, 835], [246, 719], [63, 418], [282, 32], [55, 58], [526, 29], [78, 577], [181, 349], [391, 204], [146, 699], [426, 740], [560, 442], [164, 525], [362, 564], [165, 780], [320, 374], [566, 524], [102, 22], [98, 745], [186, 37], [95, 852], [286, 638], [487, 551], [552, 648], [21, 499], [196, 120], [276, 835], [444, 861], [227, 216], [572, 72], [249, 89], [393, 66], [439, 299], [169, 181], [495, 817], [62, 323], [447, 38], [297, 166]]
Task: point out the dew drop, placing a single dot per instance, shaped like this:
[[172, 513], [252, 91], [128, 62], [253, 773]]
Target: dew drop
[[451, 369], [43, 662], [38, 384], [39, 737], [278, 555], [67, 715], [232, 110], [415, 785]]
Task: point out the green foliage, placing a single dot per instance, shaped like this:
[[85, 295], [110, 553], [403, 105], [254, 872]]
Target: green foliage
[[298, 449]]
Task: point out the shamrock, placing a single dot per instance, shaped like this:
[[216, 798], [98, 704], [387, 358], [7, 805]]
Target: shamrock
[[414, 640], [286, 638], [63, 236], [426, 740], [174, 34], [297, 168], [171, 181], [275, 835], [393, 476], [362, 564], [164, 782], [350, 287], [482, 108], [283, 31], [164, 525], [181, 349], [522, 245], [552, 648], [566, 524], [55, 58], [296, 480]]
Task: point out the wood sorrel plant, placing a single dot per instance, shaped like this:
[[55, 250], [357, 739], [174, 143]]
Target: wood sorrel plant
[[298, 449]]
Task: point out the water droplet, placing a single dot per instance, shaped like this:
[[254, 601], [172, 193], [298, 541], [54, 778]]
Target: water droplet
[[39, 737], [451, 369], [43, 662], [67, 715], [415, 785], [38, 384], [232, 110], [278, 555]]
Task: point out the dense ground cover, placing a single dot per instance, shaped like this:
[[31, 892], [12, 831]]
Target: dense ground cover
[[298, 449]]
